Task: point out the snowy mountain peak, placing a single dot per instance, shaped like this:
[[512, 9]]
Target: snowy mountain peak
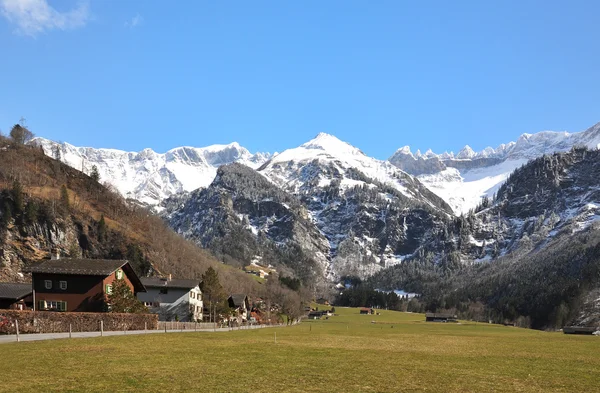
[[404, 150], [466, 153], [331, 145]]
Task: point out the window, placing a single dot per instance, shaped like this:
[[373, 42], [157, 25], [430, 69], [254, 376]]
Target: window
[[48, 284], [108, 289], [54, 305], [119, 274], [192, 295], [63, 285]]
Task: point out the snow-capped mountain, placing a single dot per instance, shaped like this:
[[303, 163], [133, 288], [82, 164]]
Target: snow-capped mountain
[[463, 179], [348, 213], [291, 169], [151, 177]]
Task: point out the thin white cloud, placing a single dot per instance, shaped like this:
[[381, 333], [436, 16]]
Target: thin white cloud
[[33, 17], [135, 21]]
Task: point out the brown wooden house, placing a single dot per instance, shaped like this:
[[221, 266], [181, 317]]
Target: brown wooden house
[[15, 296], [79, 285]]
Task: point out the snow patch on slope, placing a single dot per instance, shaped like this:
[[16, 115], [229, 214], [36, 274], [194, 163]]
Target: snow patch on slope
[[463, 191]]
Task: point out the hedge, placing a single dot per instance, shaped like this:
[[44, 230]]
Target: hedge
[[58, 322]]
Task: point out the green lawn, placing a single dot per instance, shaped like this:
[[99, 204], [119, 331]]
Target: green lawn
[[346, 353]]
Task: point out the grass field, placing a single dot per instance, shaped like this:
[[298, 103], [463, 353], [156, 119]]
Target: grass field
[[346, 353]]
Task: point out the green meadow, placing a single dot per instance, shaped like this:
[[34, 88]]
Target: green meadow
[[391, 352]]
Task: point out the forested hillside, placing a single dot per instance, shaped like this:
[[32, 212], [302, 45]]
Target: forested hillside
[[537, 250], [45, 205]]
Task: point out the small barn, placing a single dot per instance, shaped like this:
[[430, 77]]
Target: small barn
[[438, 317], [580, 330], [367, 311]]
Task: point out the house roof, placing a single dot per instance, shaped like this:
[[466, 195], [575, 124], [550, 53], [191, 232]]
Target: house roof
[[88, 267], [77, 266], [154, 282], [439, 315], [238, 299], [13, 290]]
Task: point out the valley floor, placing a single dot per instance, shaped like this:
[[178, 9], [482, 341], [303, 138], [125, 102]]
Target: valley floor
[[350, 353]]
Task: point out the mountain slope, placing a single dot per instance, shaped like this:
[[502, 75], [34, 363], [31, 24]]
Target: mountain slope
[[531, 253], [243, 216], [47, 205], [464, 178], [150, 177], [338, 210]]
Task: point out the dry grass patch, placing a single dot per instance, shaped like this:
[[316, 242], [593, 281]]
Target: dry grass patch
[[345, 353]]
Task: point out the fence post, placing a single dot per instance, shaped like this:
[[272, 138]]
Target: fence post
[[70, 331], [145, 327], [101, 328], [165, 326], [275, 337], [196, 326], [17, 327]]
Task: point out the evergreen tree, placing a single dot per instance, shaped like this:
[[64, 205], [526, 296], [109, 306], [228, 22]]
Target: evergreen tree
[[122, 300], [17, 196], [31, 212], [95, 175], [213, 292], [56, 152], [101, 229], [20, 134]]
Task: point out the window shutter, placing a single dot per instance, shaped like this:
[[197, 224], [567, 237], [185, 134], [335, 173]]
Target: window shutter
[[42, 304], [63, 306]]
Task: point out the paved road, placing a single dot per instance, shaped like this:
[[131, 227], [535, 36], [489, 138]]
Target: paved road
[[53, 336]]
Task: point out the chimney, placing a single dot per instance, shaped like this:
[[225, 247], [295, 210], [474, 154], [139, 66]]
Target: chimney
[[55, 254]]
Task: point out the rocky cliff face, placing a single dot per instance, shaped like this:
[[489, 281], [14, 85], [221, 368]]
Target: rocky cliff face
[[243, 216]]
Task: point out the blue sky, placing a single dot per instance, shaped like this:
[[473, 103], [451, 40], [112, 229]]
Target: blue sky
[[271, 75]]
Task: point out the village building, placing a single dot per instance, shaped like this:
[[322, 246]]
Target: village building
[[172, 298], [437, 317], [241, 306], [367, 311], [79, 285], [15, 296]]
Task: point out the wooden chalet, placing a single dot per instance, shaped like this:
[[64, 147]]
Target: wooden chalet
[[79, 285]]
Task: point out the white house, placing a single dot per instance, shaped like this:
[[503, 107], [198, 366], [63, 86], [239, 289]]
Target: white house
[[173, 299]]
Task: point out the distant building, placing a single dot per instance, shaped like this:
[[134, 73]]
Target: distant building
[[15, 296], [173, 299], [241, 304], [581, 330], [365, 310], [437, 317], [79, 285]]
